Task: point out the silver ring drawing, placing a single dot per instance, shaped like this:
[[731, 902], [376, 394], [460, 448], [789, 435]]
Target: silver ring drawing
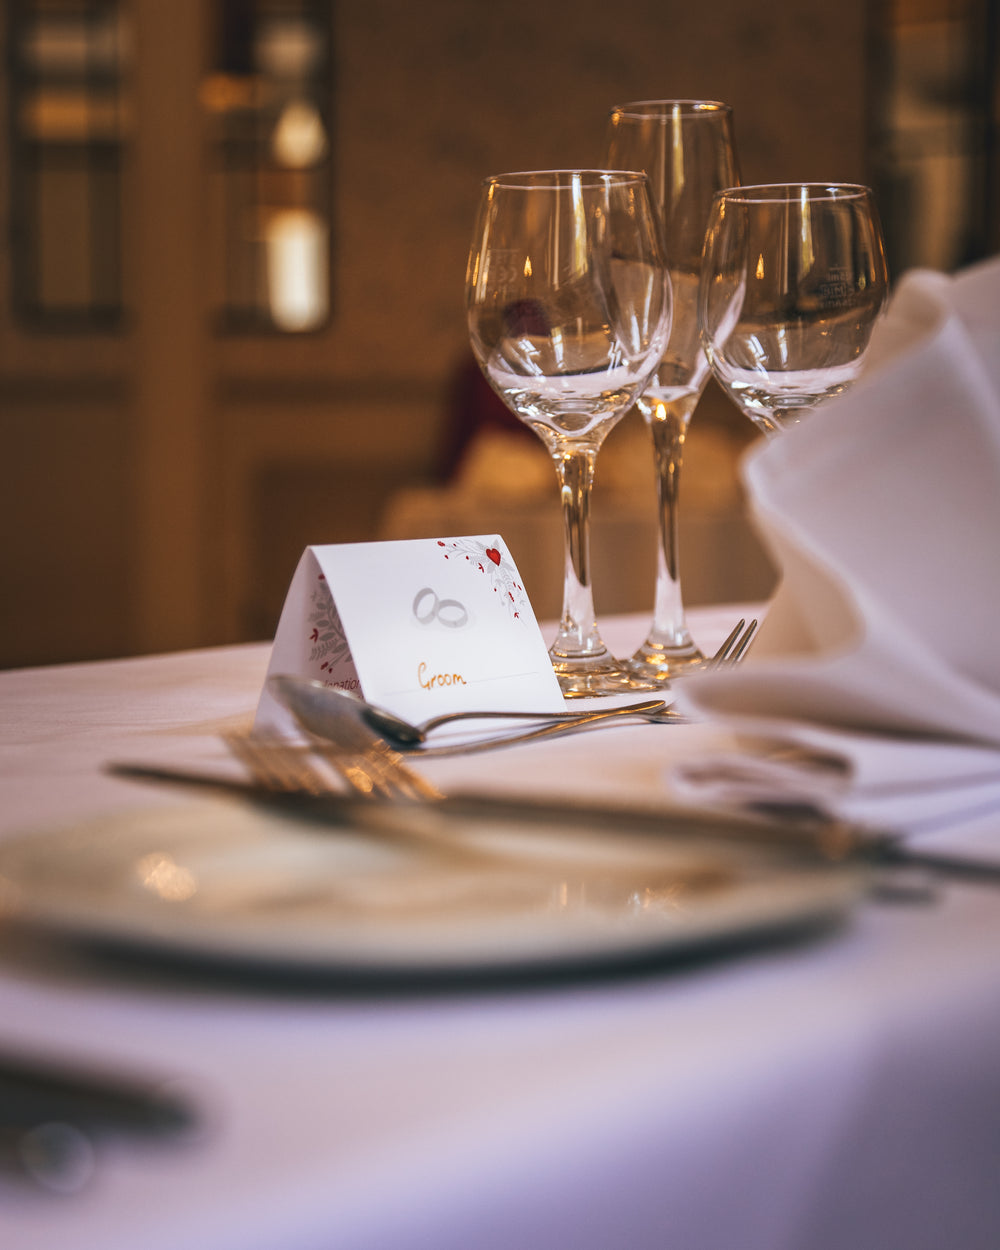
[[449, 612]]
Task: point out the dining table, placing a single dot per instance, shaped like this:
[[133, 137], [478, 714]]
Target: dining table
[[835, 1087]]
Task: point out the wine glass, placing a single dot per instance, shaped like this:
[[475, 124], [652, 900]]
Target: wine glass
[[569, 309], [686, 149], [793, 281]]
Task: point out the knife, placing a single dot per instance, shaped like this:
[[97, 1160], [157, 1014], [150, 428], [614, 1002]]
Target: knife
[[52, 1115], [814, 835]]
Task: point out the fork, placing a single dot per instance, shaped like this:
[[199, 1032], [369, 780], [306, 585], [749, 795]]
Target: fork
[[735, 647], [396, 797], [350, 735], [374, 772], [371, 768]]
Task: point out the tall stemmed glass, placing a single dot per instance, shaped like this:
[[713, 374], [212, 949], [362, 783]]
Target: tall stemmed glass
[[686, 149], [569, 309], [793, 282]]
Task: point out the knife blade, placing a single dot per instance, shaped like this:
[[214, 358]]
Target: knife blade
[[814, 834]]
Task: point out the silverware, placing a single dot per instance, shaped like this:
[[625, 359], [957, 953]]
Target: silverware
[[344, 718], [735, 647], [318, 706], [52, 1116], [286, 778], [53, 1155]]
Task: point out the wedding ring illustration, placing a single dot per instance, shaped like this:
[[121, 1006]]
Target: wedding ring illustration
[[427, 607]]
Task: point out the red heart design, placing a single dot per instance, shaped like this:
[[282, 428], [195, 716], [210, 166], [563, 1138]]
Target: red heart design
[[493, 554]]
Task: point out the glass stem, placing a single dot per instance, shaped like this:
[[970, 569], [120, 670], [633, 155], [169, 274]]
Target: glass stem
[[578, 636], [668, 426]]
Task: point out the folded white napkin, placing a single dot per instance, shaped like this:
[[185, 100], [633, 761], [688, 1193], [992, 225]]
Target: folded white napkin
[[882, 510]]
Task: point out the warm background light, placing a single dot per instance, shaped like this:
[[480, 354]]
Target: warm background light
[[206, 364]]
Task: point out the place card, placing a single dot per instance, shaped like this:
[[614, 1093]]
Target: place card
[[421, 627]]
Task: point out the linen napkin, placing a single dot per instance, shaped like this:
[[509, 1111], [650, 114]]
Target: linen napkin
[[881, 649]]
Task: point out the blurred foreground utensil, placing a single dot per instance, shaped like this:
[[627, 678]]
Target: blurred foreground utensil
[[368, 767], [385, 776], [52, 1118]]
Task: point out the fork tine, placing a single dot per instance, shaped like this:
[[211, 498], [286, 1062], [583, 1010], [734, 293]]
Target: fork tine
[[276, 765], [409, 782], [356, 772], [383, 769], [377, 772], [740, 650], [266, 769], [727, 646], [735, 646]]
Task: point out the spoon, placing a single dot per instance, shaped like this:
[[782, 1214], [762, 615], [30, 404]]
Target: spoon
[[316, 704]]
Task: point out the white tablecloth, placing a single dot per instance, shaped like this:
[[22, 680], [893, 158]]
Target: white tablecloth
[[842, 1094]]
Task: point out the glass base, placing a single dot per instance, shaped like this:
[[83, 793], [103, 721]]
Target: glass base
[[588, 678], [658, 664]]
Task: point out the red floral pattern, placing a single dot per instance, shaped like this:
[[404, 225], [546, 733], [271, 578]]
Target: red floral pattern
[[495, 564]]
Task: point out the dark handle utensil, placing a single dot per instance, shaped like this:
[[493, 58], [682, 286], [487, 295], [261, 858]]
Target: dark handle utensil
[[51, 1117]]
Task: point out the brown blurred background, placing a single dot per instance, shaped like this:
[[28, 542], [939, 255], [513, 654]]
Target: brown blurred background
[[232, 249]]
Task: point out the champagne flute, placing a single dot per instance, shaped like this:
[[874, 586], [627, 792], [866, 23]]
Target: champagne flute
[[569, 309], [686, 149], [793, 281]]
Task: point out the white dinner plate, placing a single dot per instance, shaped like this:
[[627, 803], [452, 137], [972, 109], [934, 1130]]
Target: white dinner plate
[[223, 882]]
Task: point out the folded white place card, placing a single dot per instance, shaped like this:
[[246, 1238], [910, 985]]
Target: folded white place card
[[420, 627]]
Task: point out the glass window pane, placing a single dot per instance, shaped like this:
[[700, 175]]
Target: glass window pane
[[66, 162], [268, 98]]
